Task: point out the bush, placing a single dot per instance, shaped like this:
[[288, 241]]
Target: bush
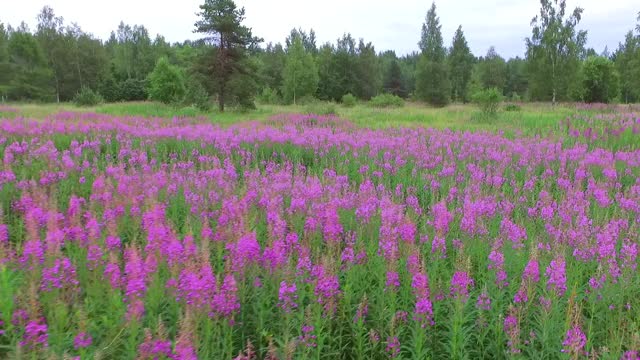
[[489, 101], [132, 90], [600, 80], [109, 89], [196, 95], [308, 100], [87, 97], [166, 83], [321, 108], [349, 100], [386, 100], [243, 90], [269, 96], [512, 107]]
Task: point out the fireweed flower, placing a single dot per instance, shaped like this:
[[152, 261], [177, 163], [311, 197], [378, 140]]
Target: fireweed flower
[[512, 330], [361, 313], [574, 341], [496, 259], [134, 283], [287, 296], [531, 271], [423, 311], [327, 288], [244, 252], [438, 245], [35, 334], [484, 301], [393, 281], [196, 286], [442, 218], [112, 272], [393, 346], [154, 348], [184, 350], [61, 274], [556, 273], [82, 340], [460, 284], [307, 339]]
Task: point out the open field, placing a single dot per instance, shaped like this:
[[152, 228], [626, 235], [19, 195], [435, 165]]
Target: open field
[[143, 231]]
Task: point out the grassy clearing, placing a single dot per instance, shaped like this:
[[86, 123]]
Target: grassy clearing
[[534, 119]]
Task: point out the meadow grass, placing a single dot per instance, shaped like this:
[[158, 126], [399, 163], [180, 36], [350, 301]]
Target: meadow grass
[[531, 120]]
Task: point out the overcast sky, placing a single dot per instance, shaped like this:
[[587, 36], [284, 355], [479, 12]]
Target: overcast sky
[[389, 24]]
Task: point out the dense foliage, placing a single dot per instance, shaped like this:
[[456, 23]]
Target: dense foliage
[[87, 97], [55, 60], [166, 83], [488, 100], [599, 80]]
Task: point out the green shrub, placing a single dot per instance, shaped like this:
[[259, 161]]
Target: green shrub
[[188, 111], [196, 95], [87, 97], [321, 108], [132, 90], [109, 89], [512, 107], [386, 101], [600, 80], [308, 100], [489, 101], [349, 100], [269, 96], [166, 83]]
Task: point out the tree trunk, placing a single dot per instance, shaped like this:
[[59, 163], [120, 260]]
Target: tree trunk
[[295, 84], [57, 90], [553, 79], [221, 97]]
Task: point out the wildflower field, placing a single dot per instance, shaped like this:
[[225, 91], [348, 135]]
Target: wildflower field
[[308, 237]]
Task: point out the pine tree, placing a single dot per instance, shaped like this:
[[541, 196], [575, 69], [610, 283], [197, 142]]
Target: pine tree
[[367, 71], [460, 65], [222, 21], [393, 83], [431, 43], [432, 78], [300, 77]]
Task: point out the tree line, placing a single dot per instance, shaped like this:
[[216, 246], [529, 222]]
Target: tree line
[[56, 61]]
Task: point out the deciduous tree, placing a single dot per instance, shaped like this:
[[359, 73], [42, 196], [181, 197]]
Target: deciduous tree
[[554, 50], [300, 73]]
